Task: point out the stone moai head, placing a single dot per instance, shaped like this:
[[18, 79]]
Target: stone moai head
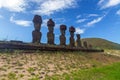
[[63, 29], [50, 25], [78, 36], [72, 30], [37, 20]]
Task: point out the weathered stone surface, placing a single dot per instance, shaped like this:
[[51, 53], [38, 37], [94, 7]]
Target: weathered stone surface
[[78, 40], [50, 34], [85, 44], [50, 37], [62, 40], [90, 46], [37, 20], [50, 23], [72, 40], [36, 34], [62, 36]]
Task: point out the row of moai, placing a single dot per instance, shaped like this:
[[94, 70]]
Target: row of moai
[[36, 34]]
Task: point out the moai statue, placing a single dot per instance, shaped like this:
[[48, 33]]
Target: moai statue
[[78, 40], [36, 34], [72, 40], [85, 44], [62, 36], [50, 34], [90, 46]]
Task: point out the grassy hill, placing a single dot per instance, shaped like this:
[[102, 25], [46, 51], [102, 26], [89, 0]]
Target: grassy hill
[[101, 43], [43, 65]]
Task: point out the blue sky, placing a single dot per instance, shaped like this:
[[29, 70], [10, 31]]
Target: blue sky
[[91, 18]]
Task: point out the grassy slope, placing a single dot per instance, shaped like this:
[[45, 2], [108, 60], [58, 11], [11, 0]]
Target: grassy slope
[[110, 72], [36, 66], [102, 43]]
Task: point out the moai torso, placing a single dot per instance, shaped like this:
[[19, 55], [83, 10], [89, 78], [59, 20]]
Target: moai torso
[[78, 40], [62, 36], [36, 34], [50, 34], [72, 40]]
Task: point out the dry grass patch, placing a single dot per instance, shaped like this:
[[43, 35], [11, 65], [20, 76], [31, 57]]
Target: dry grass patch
[[35, 66]]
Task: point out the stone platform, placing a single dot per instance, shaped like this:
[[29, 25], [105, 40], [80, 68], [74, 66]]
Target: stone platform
[[42, 47]]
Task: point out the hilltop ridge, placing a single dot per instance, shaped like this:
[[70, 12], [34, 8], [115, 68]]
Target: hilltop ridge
[[101, 43]]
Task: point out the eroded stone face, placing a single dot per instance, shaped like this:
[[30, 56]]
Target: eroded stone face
[[36, 34], [50, 34], [50, 23], [62, 36], [78, 40], [37, 19], [72, 40]]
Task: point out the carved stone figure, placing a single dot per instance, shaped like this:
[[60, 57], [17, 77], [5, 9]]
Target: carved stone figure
[[90, 46], [78, 40], [85, 44], [50, 34], [36, 34], [62, 36], [72, 40]]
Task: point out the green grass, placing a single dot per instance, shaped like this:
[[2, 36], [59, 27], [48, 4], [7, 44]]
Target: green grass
[[12, 76], [110, 72], [30, 70]]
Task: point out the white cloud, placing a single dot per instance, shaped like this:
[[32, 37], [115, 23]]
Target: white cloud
[[20, 22], [78, 16], [43, 7], [93, 15], [108, 3], [100, 2], [50, 6], [118, 12], [44, 23], [13, 5], [81, 20], [79, 31], [1, 16], [58, 22], [95, 21]]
